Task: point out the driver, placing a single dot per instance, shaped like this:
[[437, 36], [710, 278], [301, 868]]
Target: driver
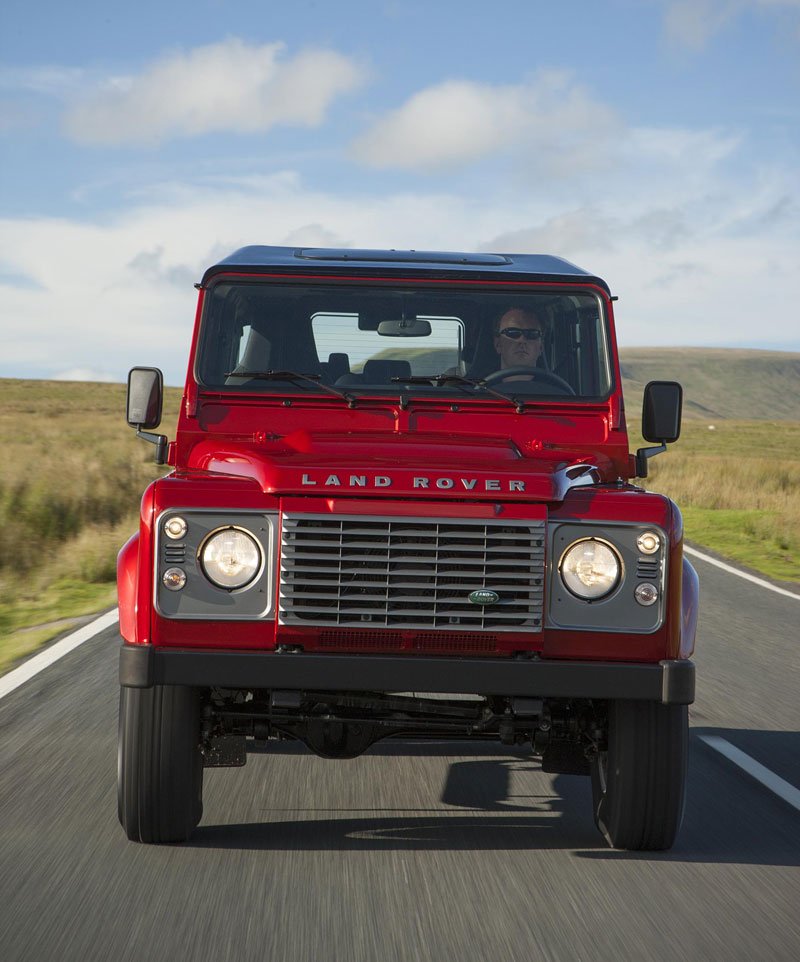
[[518, 339]]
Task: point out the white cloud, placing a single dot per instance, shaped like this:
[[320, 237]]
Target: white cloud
[[313, 235], [150, 265], [569, 234], [696, 150], [692, 23], [700, 254], [651, 168], [226, 86], [454, 122], [458, 121], [108, 295], [51, 80], [15, 116], [690, 271]]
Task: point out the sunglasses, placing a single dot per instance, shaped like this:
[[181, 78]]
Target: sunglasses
[[515, 333]]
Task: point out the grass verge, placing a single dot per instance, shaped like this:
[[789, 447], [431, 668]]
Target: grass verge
[[67, 606], [71, 478], [738, 487], [749, 537], [77, 580]]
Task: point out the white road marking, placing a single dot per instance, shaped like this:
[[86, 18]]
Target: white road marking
[[742, 574], [46, 658], [755, 769]]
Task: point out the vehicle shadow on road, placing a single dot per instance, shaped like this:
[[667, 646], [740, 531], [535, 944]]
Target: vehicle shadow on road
[[477, 809], [730, 818]]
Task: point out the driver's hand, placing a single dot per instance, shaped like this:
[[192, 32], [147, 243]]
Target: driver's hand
[[521, 377]]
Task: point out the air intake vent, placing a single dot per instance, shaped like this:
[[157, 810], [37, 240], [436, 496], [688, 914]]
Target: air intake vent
[[367, 572], [442, 642], [174, 554], [649, 569], [449, 643]]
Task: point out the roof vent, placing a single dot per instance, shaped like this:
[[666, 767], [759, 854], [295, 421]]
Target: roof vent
[[404, 257]]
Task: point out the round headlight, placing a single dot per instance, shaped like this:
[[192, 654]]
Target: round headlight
[[231, 558], [590, 569]]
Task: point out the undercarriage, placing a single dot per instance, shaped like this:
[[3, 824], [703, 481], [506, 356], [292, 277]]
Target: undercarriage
[[564, 733]]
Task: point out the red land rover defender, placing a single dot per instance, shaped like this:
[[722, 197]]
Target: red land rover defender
[[401, 506]]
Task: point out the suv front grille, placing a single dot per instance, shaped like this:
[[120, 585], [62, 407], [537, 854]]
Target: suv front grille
[[368, 572]]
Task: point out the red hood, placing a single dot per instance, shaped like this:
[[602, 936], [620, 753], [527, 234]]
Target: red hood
[[397, 465]]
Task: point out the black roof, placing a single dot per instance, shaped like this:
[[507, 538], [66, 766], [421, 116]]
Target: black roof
[[437, 264]]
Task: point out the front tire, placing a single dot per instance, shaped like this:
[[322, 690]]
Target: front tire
[[639, 784], [159, 763]]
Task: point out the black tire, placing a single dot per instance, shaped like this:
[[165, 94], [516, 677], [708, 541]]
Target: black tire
[[159, 763], [639, 784]]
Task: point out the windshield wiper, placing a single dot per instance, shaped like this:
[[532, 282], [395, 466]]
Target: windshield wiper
[[459, 379], [314, 379]]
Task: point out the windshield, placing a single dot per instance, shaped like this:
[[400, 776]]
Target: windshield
[[274, 339]]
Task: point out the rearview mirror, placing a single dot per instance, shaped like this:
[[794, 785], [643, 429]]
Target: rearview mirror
[[145, 397], [407, 327]]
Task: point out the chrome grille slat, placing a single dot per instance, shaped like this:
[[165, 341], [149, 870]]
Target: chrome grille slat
[[397, 597], [415, 572], [349, 571], [454, 528], [400, 552]]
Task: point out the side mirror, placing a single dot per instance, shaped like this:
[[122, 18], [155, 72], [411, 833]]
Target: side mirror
[[145, 397], [661, 420], [145, 400], [661, 412]]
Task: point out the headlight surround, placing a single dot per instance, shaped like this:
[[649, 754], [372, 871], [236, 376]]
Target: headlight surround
[[590, 569], [231, 558]]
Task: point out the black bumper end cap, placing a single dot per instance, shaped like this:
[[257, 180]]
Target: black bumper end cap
[[137, 666]]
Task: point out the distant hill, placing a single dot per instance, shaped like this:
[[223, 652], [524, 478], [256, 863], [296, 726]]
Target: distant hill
[[719, 383]]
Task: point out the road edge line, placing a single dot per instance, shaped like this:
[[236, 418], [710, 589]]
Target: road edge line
[[777, 785], [30, 668], [742, 574]]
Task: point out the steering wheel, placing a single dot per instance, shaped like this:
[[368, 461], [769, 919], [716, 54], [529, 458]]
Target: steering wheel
[[536, 373]]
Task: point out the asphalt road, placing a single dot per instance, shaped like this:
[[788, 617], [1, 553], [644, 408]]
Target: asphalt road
[[408, 852]]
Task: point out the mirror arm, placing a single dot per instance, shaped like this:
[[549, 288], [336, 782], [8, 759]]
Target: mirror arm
[[160, 441], [642, 456]]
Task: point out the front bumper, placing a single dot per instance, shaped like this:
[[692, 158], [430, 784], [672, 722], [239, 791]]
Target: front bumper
[[667, 682]]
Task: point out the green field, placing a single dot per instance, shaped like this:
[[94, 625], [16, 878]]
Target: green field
[[738, 487], [72, 476], [71, 479]]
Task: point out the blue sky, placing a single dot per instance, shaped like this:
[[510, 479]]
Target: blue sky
[[653, 142]]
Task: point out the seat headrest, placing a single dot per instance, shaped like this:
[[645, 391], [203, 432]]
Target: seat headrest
[[338, 364], [381, 371]]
